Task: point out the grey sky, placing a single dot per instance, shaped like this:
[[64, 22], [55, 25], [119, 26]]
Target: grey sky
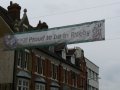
[[56, 13]]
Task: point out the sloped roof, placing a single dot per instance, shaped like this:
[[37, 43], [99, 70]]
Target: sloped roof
[[58, 57], [71, 51], [60, 46], [4, 14], [4, 28]]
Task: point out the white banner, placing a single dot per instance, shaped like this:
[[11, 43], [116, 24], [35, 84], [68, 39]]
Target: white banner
[[86, 32]]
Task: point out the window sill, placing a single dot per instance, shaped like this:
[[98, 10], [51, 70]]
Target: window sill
[[54, 79], [39, 74]]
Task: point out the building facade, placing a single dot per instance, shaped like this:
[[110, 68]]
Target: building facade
[[93, 75], [47, 68]]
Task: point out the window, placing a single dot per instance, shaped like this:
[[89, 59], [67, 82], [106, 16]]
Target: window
[[54, 71], [59, 53], [19, 58], [64, 75], [39, 65], [39, 86], [74, 79], [26, 60], [63, 54], [23, 58], [89, 87], [92, 88], [72, 59], [95, 76], [69, 58], [54, 88], [22, 84], [51, 48], [92, 75]]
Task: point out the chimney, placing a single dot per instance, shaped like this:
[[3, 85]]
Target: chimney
[[14, 11], [42, 25]]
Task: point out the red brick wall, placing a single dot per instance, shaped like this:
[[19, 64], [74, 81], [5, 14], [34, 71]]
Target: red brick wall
[[81, 78], [32, 85]]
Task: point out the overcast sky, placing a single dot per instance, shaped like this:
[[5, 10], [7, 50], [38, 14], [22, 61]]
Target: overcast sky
[[105, 54]]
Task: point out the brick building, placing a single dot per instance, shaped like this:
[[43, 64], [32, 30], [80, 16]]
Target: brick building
[[47, 68]]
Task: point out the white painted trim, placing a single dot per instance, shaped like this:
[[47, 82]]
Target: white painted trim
[[25, 26], [26, 50], [37, 55], [43, 58], [68, 67]]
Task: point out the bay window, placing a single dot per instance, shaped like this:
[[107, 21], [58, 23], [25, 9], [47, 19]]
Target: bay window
[[23, 84]]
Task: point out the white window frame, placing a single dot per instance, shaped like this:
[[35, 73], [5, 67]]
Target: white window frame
[[26, 59], [65, 79], [39, 86], [39, 63], [63, 54], [19, 59], [73, 59], [54, 71], [51, 48], [54, 88], [23, 84]]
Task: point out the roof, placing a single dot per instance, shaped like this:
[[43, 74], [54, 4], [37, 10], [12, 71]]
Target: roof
[[4, 14], [87, 60], [60, 46], [71, 52], [59, 58], [4, 28]]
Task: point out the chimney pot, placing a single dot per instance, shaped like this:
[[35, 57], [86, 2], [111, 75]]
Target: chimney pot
[[10, 3]]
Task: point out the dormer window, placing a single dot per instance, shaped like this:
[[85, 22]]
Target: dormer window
[[73, 59], [61, 50], [63, 54], [51, 48]]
